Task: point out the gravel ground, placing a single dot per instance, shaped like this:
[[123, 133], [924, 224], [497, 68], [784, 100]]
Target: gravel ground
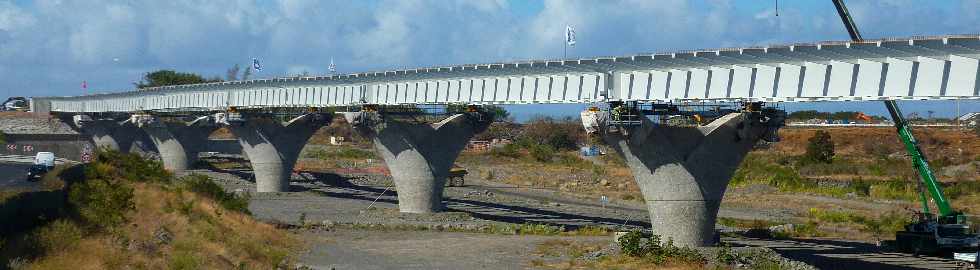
[[328, 199], [361, 249], [32, 125]]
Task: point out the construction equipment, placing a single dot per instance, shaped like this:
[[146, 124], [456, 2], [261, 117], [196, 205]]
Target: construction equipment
[[860, 115], [947, 231], [456, 176]]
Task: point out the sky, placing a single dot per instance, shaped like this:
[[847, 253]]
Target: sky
[[48, 47]]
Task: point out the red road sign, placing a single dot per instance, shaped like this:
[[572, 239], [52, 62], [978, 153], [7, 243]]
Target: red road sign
[[28, 148], [11, 147], [86, 157]]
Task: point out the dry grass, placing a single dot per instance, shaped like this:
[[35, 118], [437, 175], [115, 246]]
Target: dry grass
[[203, 236], [614, 262], [851, 141]]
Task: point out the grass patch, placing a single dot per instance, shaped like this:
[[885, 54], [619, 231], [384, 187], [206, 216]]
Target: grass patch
[[152, 223], [341, 153], [780, 172], [746, 223], [634, 244], [57, 236], [204, 186]]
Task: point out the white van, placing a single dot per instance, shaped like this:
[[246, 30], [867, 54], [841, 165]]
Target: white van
[[44, 158], [43, 162]]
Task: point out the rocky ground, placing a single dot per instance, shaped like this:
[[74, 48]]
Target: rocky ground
[[352, 222], [27, 123]]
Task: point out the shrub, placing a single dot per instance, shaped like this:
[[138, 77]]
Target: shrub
[[563, 134], [820, 148], [880, 148], [635, 245], [539, 229], [894, 190], [99, 201], [204, 186], [57, 236], [541, 152], [511, 150], [132, 167], [962, 188], [885, 225], [499, 130]]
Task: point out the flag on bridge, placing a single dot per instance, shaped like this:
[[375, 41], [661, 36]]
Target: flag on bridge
[[332, 67], [570, 35], [255, 64]]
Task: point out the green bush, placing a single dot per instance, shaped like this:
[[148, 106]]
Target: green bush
[[539, 229], [635, 245], [819, 148], [962, 188], [885, 225], [101, 202], [541, 152], [133, 167], [57, 236], [204, 186], [511, 150], [894, 190], [559, 134]]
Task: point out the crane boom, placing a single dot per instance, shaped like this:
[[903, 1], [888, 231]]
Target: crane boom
[[919, 160]]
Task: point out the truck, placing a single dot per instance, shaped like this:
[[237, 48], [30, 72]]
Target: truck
[[456, 176], [43, 163]]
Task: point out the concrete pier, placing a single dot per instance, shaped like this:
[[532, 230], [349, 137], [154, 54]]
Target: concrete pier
[[683, 172], [273, 147], [178, 142], [110, 134], [419, 154]]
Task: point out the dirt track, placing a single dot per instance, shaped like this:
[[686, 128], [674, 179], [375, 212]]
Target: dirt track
[[332, 199]]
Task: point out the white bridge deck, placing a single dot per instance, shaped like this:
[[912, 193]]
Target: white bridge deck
[[912, 68]]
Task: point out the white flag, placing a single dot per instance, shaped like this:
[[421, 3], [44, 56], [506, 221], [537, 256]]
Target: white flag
[[255, 64], [570, 35], [332, 67]]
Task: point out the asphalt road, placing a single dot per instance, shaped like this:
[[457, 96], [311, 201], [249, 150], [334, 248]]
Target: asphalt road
[[12, 176]]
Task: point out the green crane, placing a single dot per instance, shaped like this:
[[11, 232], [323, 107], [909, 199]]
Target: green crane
[[946, 232]]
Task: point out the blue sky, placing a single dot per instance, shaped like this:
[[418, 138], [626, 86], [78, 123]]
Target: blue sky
[[48, 47]]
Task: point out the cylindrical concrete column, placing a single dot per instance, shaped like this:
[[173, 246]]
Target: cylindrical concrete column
[[683, 172], [419, 155], [178, 143], [273, 148], [418, 184], [270, 173]]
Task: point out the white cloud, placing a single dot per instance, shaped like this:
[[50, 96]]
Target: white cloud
[[13, 17]]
